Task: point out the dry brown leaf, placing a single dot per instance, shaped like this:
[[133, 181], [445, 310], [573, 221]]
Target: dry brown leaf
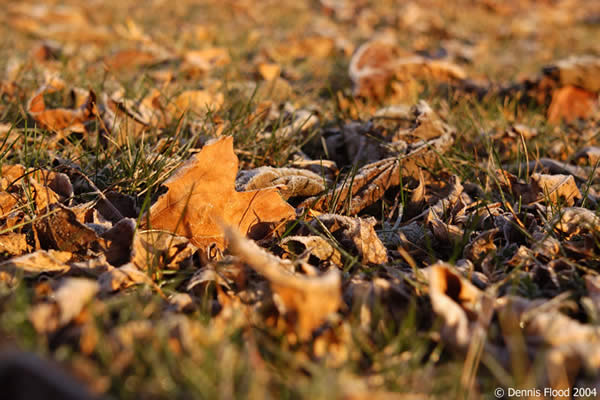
[[302, 121], [202, 192], [60, 119], [121, 278], [377, 62], [91, 267], [372, 181], [575, 220], [357, 233], [195, 101], [571, 344], [14, 244], [355, 144], [181, 302], [570, 103], [121, 123], [33, 264], [426, 124], [305, 301], [583, 71], [57, 22], [159, 249], [315, 246], [442, 231], [277, 90], [60, 230], [22, 188], [67, 302], [463, 307], [7, 202], [556, 187], [202, 61], [289, 181], [481, 245], [130, 59], [120, 238], [307, 47], [590, 154], [520, 190]]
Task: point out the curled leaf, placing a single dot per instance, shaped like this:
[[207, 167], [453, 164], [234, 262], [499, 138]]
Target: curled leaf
[[378, 61], [60, 119], [556, 187], [289, 181], [36, 263], [315, 246], [305, 301], [462, 306], [357, 232], [67, 302]]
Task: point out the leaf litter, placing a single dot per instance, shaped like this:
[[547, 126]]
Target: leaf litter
[[301, 196]]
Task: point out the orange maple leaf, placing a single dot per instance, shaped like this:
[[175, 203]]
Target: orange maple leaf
[[202, 193]]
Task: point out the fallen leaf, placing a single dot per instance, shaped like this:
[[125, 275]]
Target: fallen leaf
[[356, 232], [592, 284], [195, 101], [181, 302], [269, 71], [72, 295], [570, 344], [289, 181], [197, 63], [307, 47], [305, 301], [158, 249], [119, 240], [582, 71], [121, 278], [590, 154], [121, 123], [130, 59], [372, 181], [463, 307], [14, 244], [570, 103], [377, 62], [574, 220], [23, 188], [60, 230], [202, 191], [369, 184], [315, 246], [442, 231], [556, 187], [33, 264], [60, 119]]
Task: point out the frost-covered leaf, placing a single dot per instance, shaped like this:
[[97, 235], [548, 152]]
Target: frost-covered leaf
[[290, 182]]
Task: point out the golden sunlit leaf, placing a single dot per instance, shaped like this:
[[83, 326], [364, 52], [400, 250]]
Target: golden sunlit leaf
[[202, 191], [570, 103]]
